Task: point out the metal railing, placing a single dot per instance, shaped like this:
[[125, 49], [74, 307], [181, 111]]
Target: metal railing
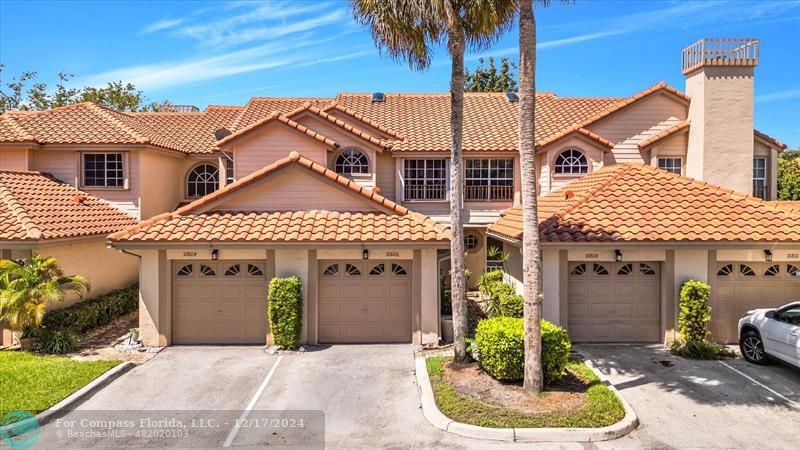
[[720, 52], [488, 193]]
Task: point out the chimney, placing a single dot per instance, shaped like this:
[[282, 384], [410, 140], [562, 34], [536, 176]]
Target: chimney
[[719, 80]]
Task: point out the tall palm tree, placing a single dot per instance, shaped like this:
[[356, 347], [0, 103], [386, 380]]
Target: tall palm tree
[[531, 250], [28, 288], [408, 30]]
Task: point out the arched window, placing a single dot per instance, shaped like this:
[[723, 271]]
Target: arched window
[[202, 180], [571, 162], [351, 161]]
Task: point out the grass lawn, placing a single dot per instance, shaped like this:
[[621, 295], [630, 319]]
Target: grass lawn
[[34, 382], [600, 408]]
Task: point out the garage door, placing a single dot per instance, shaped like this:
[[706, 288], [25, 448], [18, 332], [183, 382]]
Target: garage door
[[614, 302], [219, 302], [364, 301], [742, 286]]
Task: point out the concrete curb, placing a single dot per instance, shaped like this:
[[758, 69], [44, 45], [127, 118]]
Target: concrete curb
[[442, 422], [77, 397]]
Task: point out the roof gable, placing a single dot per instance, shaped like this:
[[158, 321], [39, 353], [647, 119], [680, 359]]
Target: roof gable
[[280, 119]]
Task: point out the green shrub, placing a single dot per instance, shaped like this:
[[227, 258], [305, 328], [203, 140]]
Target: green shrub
[[701, 350], [509, 303], [502, 298], [90, 314], [56, 342], [500, 340], [501, 346], [286, 311], [695, 311]]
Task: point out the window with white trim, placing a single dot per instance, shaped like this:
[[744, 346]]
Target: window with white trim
[[571, 162], [103, 170], [202, 180], [670, 164], [228, 169], [488, 179], [760, 178], [351, 161], [424, 179]]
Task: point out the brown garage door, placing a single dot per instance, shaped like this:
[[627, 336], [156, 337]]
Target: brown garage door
[[364, 301], [219, 302], [742, 286], [614, 302]]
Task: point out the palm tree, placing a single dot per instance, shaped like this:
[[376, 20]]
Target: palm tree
[[28, 288], [407, 30]]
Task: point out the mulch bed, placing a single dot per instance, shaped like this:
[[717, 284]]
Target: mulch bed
[[99, 343], [568, 394]]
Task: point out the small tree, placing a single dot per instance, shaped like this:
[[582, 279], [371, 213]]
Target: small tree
[[489, 79], [27, 289], [789, 175]]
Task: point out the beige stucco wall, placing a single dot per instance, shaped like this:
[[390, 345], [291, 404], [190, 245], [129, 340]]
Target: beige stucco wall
[[271, 143], [106, 269], [429, 297], [721, 136], [14, 158], [553, 181], [386, 173], [162, 184]]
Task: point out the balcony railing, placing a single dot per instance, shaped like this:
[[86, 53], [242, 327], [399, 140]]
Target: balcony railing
[[488, 193], [720, 52]]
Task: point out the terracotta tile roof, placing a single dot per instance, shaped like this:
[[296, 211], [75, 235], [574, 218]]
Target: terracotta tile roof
[[677, 128], [335, 106], [259, 107], [390, 222], [34, 206], [770, 140], [188, 132], [634, 202], [309, 108], [579, 130], [490, 120], [280, 118]]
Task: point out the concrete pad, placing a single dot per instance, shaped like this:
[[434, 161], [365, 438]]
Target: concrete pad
[[685, 403]]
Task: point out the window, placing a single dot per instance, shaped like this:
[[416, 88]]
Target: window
[[397, 269], [674, 165], [793, 270], [228, 168], [331, 270], [494, 254], [351, 270], [746, 270], [760, 178], [599, 269], [202, 180], [254, 271], [232, 271], [207, 271], [377, 270], [471, 241], [580, 269], [571, 162], [185, 271], [646, 269], [626, 269], [725, 271], [489, 179], [773, 271], [424, 179], [103, 170], [351, 161]]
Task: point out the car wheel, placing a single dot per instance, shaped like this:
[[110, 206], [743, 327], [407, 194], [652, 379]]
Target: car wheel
[[753, 348]]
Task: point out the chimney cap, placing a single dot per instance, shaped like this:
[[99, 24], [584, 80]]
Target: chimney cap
[[720, 52]]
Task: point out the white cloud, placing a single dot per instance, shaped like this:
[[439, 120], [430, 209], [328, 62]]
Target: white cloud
[[787, 94], [163, 24]]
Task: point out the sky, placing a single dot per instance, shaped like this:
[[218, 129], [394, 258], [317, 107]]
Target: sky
[[225, 52]]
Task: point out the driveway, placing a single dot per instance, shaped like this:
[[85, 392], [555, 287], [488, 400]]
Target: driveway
[[706, 404]]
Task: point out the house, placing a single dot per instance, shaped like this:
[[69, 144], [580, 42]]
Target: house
[[351, 194]]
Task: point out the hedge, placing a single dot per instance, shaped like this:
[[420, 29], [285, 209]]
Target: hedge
[[286, 311], [89, 314], [502, 353], [695, 311]]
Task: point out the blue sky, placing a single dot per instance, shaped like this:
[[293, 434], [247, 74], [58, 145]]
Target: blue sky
[[204, 53]]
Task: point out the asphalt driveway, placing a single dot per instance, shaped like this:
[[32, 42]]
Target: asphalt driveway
[[701, 404]]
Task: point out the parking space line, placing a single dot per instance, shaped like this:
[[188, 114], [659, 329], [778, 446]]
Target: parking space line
[[791, 403], [252, 404]]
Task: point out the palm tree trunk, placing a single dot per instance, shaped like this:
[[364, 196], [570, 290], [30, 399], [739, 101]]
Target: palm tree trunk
[[531, 251], [456, 44]]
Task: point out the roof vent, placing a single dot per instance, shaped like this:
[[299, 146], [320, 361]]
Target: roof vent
[[221, 133], [378, 97], [568, 195], [512, 97], [79, 198]]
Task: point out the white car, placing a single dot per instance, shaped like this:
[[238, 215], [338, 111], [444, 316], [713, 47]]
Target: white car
[[771, 333]]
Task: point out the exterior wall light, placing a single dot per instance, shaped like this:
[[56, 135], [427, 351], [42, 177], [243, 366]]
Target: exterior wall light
[[215, 254], [768, 255], [365, 254], [618, 255]]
